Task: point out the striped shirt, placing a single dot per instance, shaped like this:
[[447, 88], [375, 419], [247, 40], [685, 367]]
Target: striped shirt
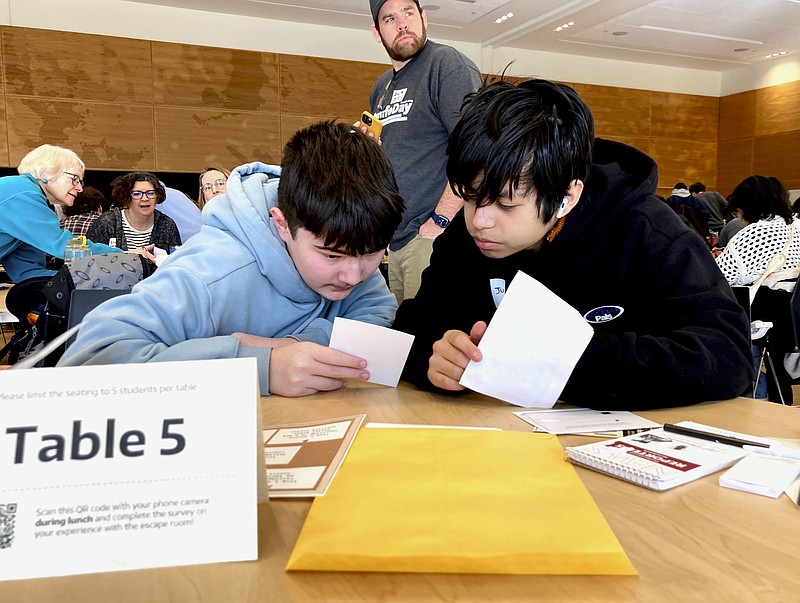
[[135, 238]]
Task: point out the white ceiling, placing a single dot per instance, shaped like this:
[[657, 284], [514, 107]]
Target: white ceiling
[[704, 34]]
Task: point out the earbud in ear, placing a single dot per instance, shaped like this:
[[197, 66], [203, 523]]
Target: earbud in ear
[[562, 208], [44, 180]]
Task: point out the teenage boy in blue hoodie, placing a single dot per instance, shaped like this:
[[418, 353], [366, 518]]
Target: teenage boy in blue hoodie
[[278, 257]]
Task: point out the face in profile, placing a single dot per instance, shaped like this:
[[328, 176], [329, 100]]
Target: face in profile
[[63, 189], [213, 183]]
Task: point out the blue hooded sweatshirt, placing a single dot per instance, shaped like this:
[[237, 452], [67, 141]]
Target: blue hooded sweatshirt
[[235, 275]]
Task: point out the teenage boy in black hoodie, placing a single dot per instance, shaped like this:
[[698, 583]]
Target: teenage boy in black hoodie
[[579, 215]]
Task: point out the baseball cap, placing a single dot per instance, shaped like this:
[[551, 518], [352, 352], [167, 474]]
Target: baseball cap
[[375, 7]]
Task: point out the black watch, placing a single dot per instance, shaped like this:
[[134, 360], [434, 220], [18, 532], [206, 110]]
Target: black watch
[[440, 220]]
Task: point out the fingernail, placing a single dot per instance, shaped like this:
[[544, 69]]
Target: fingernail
[[362, 364], [364, 376]]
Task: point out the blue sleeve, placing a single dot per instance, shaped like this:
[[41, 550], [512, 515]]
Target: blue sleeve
[[34, 223], [154, 324]]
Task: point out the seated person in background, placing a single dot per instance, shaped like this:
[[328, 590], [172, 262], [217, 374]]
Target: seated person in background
[[29, 229], [715, 203], [88, 206], [213, 182], [732, 225], [762, 205], [683, 203], [282, 254], [134, 221], [579, 215]]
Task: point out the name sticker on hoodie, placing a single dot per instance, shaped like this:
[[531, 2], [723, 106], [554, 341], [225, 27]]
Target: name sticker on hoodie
[[498, 286], [603, 314]]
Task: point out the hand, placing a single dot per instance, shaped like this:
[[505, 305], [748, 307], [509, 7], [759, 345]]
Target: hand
[[716, 252], [429, 230], [307, 368], [363, 129], [146, 251], [452, 353], [254, 341]]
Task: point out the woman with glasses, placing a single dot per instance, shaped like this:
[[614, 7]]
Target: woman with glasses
[[213, 180], [134, 222], [29, 228]]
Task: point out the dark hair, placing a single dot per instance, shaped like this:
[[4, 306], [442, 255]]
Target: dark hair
[[697, 187], [338, 184], [760, 197], [90, 200], [122, 186], [533, 137], [680, 186]]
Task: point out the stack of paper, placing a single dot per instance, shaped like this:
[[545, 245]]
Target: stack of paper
[[761, 474]]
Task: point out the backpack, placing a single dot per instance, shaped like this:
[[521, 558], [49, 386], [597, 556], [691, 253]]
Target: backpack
[[119, 271]]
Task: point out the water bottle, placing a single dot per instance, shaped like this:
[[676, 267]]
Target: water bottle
[[76, 249]]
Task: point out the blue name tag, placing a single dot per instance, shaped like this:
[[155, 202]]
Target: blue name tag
[[603, 314]]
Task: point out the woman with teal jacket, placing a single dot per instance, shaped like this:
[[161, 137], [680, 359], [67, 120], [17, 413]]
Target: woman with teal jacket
[[29, 228]]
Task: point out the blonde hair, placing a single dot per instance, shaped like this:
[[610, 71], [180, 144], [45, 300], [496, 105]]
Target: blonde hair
[[49, 161], [201, 199]]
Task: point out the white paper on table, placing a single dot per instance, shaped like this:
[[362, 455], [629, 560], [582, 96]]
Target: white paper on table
[[385, 350], [583, 420], [530, 348]]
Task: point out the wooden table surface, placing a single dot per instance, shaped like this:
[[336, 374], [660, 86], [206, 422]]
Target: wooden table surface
[[698, 542]]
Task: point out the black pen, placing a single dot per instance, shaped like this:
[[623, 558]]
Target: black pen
[[713, 437]]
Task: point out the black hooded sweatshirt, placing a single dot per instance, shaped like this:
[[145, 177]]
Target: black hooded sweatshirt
[[681, 338]]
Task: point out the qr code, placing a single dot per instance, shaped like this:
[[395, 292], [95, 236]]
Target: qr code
[[8, 513]]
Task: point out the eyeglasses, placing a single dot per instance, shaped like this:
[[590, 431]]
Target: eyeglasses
[[139, 194], [217, 183], [76, 180]]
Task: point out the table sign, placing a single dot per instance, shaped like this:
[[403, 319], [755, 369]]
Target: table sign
[[106, 468]]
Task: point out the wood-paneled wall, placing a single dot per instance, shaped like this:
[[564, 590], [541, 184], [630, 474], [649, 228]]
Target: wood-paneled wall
[[679, 131], [125, 104], [759, 133]]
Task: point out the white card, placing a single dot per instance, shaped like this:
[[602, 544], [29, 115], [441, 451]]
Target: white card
[[118, 467], [530, 348], [385, 350]]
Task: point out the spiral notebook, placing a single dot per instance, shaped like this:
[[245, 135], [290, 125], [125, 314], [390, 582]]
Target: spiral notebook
[[656, 459]]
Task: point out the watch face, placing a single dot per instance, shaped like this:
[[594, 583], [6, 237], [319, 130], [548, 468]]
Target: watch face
[[440, 220]]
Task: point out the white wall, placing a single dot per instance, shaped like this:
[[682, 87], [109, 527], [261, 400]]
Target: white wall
[[134, 19], [768, 73]]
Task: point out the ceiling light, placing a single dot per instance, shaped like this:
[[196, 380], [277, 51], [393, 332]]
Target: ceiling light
[[504, 18], [776, 54], [564, 26]]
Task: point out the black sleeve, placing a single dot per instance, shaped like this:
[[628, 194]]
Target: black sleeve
[[447, 299]]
